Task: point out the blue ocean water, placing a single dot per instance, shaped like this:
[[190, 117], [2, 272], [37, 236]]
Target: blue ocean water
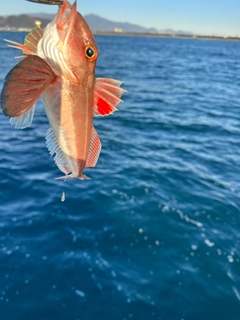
[[155, 233]]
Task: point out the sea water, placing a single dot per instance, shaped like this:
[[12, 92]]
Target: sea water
[[155, 233]]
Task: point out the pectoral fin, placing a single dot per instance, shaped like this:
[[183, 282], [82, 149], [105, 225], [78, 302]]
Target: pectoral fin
[[24, 85], [24, 120], [107, 96]]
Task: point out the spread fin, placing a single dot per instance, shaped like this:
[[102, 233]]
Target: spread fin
[[53, 147], [24, 85], [24, 120], [32, 39], [70, 176], [30, 43], [93, 154], [94, 150], [107, 96]]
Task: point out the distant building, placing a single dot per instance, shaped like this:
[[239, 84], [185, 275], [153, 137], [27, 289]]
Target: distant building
[[118, 30]]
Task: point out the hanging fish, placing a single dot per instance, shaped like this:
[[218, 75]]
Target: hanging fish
[[59, 66]]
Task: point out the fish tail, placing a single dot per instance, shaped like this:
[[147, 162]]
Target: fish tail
[[70, 176]]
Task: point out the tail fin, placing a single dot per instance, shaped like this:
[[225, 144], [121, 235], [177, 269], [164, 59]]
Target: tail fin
[[70, 176]]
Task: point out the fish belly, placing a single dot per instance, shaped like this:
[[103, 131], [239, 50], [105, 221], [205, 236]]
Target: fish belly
[[70, 115]]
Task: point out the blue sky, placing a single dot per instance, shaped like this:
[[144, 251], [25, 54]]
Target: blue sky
[[221, 17]]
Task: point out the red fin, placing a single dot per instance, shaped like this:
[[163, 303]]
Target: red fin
[[107, 96], [24, 85], [30, 43], [94, 150], [66, 14]]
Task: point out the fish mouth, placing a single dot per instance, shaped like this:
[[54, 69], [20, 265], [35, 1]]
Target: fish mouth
[[53, 2]]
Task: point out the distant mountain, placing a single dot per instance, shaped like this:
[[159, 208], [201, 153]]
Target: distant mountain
[[21, 21], [176, 32], [97, 23], [42, 15]]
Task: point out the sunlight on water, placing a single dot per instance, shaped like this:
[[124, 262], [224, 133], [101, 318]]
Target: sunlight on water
[[155, 233], [63, 197]]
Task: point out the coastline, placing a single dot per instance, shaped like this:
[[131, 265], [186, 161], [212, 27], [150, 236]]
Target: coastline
[[167, 35], [138, 34]]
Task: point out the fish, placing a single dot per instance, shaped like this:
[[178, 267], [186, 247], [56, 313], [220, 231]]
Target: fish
[[59, 66]]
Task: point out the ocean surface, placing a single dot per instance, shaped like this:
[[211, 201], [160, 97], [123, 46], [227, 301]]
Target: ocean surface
[[155, 233]]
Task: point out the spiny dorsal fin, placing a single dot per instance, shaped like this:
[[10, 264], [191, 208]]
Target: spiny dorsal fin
[[94, 150], [32, 39], [30, 43], [107, 96]]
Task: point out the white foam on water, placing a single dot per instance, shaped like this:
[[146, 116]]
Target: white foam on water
[[237, 294], [165, 209], [63, 197], [186, 218], [209, 243], [113, 273], [80, 293], [230, 275]]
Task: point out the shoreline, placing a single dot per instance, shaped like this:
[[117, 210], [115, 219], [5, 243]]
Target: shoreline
[[137, 34], [166, 35]]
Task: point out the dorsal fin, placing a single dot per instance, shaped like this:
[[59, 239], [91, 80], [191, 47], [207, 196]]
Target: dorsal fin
[[30, 43], [94, 150], [32, 39], [107, 96]]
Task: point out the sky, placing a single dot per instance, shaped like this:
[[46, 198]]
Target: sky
[[209, 17]]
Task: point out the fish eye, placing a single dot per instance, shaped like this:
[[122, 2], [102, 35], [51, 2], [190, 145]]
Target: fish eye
[[90, 53]]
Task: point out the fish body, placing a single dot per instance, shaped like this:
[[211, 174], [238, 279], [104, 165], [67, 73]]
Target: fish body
[[59, 65], [64, 39]]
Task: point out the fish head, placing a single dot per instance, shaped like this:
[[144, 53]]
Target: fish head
[[76, 41]]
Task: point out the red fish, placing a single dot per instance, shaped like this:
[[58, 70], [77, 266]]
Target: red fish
[[59, 66]]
